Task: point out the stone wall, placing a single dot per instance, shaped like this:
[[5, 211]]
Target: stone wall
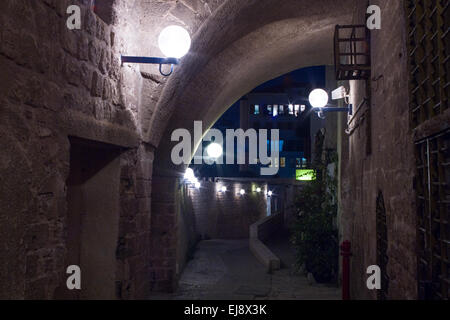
[[228, 215], [379, 157], [183, 215], [59, 83]]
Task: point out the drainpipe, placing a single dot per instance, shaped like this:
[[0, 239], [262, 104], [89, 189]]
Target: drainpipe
[[346, 253]]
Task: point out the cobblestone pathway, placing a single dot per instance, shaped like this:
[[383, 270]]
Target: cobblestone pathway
[[226, 269]]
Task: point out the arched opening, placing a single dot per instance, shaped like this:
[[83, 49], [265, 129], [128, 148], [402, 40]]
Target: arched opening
[[254, 42], [243, 220]]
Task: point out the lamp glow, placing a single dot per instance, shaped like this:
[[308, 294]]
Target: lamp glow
[[242, 192], [318, 98], [223, 189], [189, 174], [197, 185], [214, 150], [269, 193], [174, 42], [258, 190]]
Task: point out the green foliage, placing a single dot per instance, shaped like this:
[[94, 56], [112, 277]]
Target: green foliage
[[314, 233]]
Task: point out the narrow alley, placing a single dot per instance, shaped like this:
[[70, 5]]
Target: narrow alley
[[227, 270]]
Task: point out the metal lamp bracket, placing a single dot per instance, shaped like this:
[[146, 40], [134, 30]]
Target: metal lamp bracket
[[152, 60]]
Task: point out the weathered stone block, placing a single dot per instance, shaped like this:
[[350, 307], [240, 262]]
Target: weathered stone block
[[37, 236], [96, 84]]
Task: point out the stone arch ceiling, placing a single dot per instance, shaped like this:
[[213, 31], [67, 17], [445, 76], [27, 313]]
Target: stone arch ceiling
[[243, 44]]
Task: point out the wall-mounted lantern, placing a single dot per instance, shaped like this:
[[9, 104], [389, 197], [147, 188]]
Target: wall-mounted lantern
[[174, 42], [318, 98], [352, 52]]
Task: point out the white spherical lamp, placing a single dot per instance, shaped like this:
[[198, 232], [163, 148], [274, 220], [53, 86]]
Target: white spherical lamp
[[174, 42], [214, 150], [318, 98]]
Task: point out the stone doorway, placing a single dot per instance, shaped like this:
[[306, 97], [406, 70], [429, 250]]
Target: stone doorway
[[92, 218]]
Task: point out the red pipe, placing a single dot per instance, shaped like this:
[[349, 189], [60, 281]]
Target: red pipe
[[346, 253]]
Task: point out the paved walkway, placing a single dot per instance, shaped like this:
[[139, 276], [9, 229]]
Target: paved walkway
[[226, 269]]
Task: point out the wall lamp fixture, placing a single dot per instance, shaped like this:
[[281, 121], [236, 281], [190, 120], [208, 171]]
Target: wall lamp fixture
[[174, 42], [318, 98]]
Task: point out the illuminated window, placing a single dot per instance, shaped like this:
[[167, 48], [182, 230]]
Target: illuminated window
[[298, 163], [291, 109], [271, 146], [297, 110], [305, 175], [304, 163], [256, 109], [275, 110], [281, 110], [302, 108], [282, 162], [269, 110]]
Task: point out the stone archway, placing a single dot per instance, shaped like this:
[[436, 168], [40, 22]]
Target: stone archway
[[241, 45]]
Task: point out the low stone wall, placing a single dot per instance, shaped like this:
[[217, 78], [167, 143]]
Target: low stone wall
[[259, 232]]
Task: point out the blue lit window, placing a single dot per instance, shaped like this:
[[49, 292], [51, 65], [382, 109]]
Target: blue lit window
[[270, 146], [256, 109]]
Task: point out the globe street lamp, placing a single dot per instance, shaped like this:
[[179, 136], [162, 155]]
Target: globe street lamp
[[214, 150], [174, 42], [318, 98]]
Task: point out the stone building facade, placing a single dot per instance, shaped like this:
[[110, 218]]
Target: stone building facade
[[65, 89], [379, 158]]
